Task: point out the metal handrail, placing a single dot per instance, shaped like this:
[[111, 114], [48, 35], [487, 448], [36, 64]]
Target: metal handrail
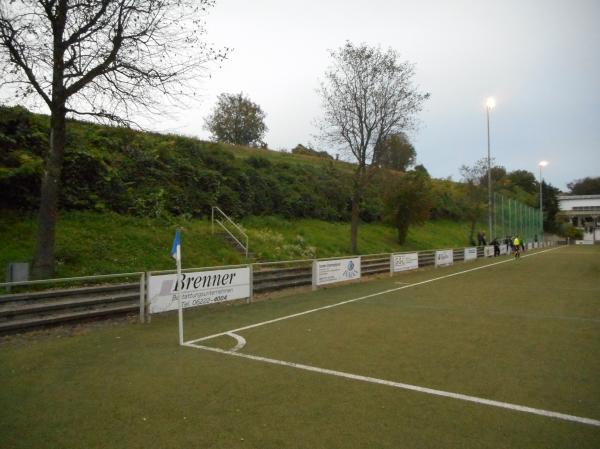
[[192, 270], [227, 230], [233, 236], [63, 280]]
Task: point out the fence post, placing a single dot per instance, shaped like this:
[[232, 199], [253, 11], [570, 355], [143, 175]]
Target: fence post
[[314, 274], [251, 270], [391, 265], [147, 308], [142, 298]]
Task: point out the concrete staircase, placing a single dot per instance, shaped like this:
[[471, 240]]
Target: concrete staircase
[[231, 242]]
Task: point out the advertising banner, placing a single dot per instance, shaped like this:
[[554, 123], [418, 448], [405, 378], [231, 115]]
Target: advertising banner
[[404, 262], [444, 257], [470, 253], [197, 289], [503, 249], [488, 251], [331, 271]]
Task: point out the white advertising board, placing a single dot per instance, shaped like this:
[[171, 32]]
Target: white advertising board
[[404, 262], [330, 271], [529, 245], [470, 253], [197, 289], [503, 249], [444, 257], [488, 251]]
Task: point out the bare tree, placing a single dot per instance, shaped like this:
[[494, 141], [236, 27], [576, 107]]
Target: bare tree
[[367, 95], [101, 58]]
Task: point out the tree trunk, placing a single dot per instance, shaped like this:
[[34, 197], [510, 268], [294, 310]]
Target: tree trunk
[[472, 234], [357, 194], [354, 224], [43, 262]]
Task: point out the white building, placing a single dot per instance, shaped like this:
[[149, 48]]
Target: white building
[[583, 212]]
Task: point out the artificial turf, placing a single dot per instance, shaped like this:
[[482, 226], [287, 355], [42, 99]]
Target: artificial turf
[[525, 332]]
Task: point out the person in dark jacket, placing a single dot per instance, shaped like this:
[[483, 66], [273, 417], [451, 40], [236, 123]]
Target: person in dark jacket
[[496, 247]]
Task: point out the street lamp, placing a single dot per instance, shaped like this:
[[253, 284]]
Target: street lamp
[[490, 103], [541, 164]]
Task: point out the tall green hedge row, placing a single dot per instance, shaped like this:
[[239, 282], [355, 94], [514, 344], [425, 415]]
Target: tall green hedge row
[[131, 172]]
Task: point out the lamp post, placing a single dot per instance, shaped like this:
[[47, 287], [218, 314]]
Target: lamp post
[[490, 103], [541, 164]]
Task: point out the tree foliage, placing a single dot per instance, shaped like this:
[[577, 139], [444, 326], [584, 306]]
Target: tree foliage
[[408, 201], [585, 186], [367, 96], [396, 152], [98, 58], [151, 175], [523, 179], [309, 151], [474, 193], [237, 120], [550, 206]]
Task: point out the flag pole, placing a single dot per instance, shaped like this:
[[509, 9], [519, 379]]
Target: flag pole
[[176, 254], [180, 311]]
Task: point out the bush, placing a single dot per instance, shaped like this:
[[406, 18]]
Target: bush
[[570, 231]]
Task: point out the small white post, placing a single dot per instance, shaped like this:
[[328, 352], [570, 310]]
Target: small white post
[[314, 275], [391, 265]]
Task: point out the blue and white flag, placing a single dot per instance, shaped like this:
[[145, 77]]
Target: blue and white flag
[[176, 248]]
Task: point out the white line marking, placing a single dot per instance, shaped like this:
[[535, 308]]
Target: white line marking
[[241, 341], [431, 391], [306, 312]]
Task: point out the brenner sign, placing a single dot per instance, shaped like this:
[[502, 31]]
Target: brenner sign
[[197, 289]]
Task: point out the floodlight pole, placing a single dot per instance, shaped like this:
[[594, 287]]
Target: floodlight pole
[[489, 163], [541, 164]]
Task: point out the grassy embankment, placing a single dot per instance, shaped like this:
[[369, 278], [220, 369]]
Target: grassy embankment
[[91, 243]]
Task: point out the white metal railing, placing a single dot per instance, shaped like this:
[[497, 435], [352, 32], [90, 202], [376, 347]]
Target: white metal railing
[[144, 278], [242, 236], [141, 276]]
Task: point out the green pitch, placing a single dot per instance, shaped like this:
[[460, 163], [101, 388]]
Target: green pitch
[[512, 348]]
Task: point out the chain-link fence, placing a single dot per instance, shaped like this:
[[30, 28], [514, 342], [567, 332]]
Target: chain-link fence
[[511, 217]]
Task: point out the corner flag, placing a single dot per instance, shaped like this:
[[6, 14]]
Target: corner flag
[[176, 248], [176, 254]]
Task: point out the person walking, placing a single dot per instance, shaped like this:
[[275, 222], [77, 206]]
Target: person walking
[[517, 246]]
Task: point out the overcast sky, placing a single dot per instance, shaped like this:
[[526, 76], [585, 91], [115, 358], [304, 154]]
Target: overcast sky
[[540, 59]]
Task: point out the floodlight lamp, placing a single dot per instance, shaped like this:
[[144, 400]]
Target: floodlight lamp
[[490, 103], [543, 163]]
